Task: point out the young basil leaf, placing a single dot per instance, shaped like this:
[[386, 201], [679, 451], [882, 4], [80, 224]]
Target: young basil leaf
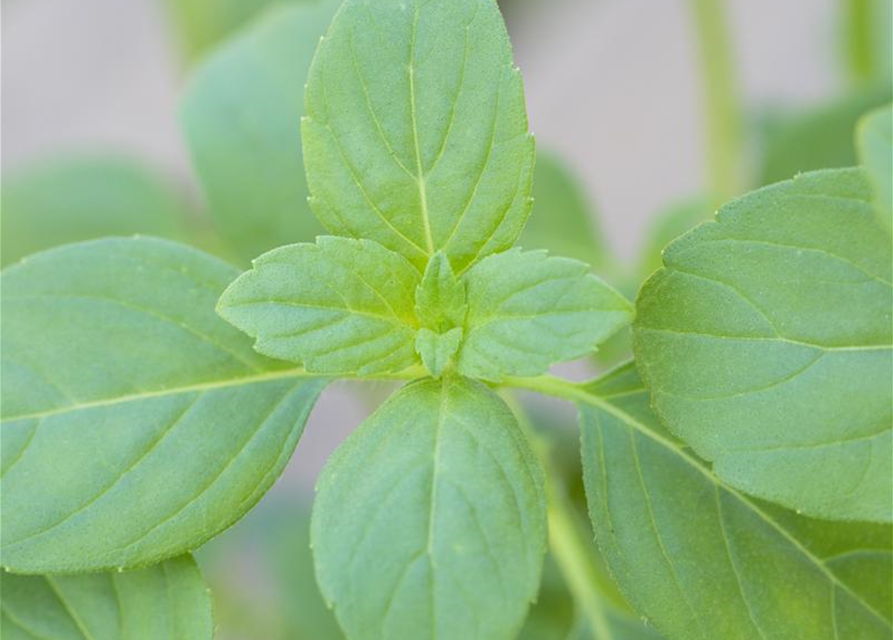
[[168, 601], [339, 306], [527, 311], [136, 424], [875, 143], [436, 349], [440, 300], [416, 133], [82, 198], [430, 520], [703, 561], [563, 218], [766, 345], [241, 116]]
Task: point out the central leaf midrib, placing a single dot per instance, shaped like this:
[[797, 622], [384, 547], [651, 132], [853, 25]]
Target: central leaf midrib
[[420, 174]]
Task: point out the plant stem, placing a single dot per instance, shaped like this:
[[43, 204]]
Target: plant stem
[[858, 40], [567, 543], [724, 150]]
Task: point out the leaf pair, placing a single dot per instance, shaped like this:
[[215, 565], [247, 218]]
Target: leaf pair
[[352, 307]]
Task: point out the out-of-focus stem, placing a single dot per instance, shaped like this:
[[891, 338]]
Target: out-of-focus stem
[[858, 40], [567, 543], [722, 109]]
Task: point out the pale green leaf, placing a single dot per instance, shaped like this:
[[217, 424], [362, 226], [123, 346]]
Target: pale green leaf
[[703, 561], [82, 198], [436, 349], [430, 520], [416, 133], [135, 423], [766, 344], [241, 115], [563, 218], [337, 306], [527, 311], [440, 297], [168, 601], [875, 142]]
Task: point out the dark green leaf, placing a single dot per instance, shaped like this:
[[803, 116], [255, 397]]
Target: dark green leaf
[[702, 560]]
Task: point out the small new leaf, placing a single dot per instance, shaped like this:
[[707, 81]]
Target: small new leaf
[[766, 344], [430, 520], [168, 601], [527, 311], [416, 132], [340, 306], [440, 298], [436, 349]]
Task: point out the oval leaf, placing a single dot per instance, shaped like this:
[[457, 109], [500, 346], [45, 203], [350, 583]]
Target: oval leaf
[[527, 311], [338, 306], [241, 115], [416, 133], [136, 424], [168, 601], [702, 560], [766, 345], [430, 519]]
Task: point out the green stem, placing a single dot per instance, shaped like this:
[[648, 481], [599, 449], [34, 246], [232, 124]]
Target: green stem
[[858, 40], [724, 129], [567, 543]]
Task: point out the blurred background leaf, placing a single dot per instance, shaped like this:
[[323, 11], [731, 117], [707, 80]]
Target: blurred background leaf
[[241, 115], [80, 198]]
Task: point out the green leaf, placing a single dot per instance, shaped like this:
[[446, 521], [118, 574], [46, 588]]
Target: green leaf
[[82, 198], [563, 218], [241, 115], [430, 520], [436, 349], [766, 344], [821, 138], [416, 134], [704, 561], [135, 423], [440, 300], [875, 143], [338, 306], [166, 601], [527, 311]]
